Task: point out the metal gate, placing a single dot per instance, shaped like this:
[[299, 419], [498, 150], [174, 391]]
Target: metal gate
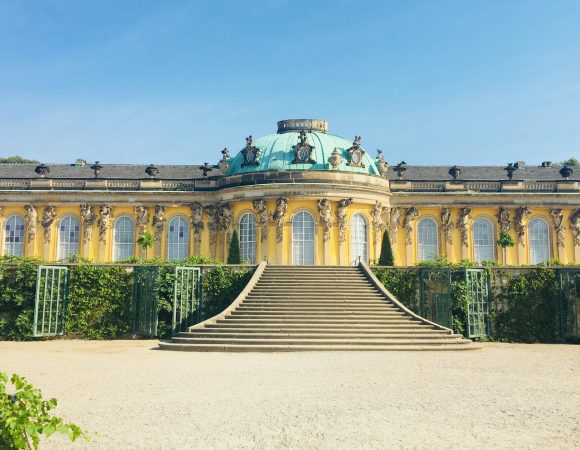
[[435, 296], [570, 303], [145, 299], [50, 301], [186, 298], [478, 308]]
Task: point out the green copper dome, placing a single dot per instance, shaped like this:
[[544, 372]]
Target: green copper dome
[[278, 151]]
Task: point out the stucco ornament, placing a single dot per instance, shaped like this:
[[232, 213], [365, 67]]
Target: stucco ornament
[[225, 218], [335, 158], [395, 223], [355, 154], [278, 216], [251, 153], [575, 226], [30, 219], [503, 217], [410, 217], [462, 225], [213, 222], [105, 220], [303, 150], [87, 219], [558, 221], [447, 225], [48, 216], [521, 213], [263, 217], [141, 218], [325, 217], [159, 222], [341, 218], [196, 220]]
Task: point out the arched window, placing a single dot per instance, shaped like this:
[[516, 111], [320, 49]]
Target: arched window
[[14, 236], [68, 237], [123, 239], [303, 238], [539, 239], [358, 238], [483, 242], [177, 239], [428, 240], [248, 237]]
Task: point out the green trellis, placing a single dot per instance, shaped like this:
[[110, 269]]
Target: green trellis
[[50, 301], [186, 298]]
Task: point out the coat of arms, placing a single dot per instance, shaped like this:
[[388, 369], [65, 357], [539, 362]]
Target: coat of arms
[[303, 150], [251, 153]]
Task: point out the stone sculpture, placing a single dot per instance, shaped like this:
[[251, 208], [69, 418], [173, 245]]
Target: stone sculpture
[[159, 222], [447, 225], [105, 219], [410, 217], [521, 213], [325, 217], [88, 219], [278, 216], [341, 218], [48, 216], [196, 220], [30, 219], [575, 226], [395, 222], [462, 225], [142, 218], [558, 221], [263, 217], [503, 217]]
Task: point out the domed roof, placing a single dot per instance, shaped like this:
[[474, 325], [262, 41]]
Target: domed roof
[[276, 150]]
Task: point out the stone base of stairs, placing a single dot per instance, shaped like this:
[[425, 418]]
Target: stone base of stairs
[[316, 308]]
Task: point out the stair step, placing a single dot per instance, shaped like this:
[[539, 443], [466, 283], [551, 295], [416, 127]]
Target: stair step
[[325, 326], [315, 331], [312, 348], [286, 335], [286, 341]]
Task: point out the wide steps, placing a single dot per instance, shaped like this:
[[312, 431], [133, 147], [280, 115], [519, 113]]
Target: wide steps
[[313, 308]]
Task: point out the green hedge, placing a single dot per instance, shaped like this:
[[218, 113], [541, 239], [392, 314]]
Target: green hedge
[[100, 298]]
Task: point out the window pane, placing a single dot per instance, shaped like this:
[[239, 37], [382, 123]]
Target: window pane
[[177, 239], [303, 238], [248, 238], [483, 242], [358, 238], [428, 241], [539, 239], [123, 239], [68, 237], [14, 236]]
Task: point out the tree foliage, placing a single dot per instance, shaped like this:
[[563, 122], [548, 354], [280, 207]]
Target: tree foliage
[[17, 160], [145, 241], [571, 162], [25, 416]]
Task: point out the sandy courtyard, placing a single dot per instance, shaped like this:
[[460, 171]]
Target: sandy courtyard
[[130, 396]]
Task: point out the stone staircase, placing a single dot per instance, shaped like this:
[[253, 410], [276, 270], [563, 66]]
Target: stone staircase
[[308, 308]]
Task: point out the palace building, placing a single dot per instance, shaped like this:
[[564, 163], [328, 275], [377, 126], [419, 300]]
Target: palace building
[[297, 196]]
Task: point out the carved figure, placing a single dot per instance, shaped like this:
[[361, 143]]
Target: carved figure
[[213, 222], [410, 217], [521, 213], [462, 224], [325, 217], [88, 219], [377, 219], [575, 226], [263, 217], [278, 216], [142, 218], [503, 217], [48, 216], [159, 222], [251, 153], [447, 225], [196, 220], [341, 218], [225, 218], [105, 219], [394, 224], [30, 219], [558, 221]]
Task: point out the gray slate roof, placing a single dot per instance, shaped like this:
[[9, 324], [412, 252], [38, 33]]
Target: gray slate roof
[[190, 172]]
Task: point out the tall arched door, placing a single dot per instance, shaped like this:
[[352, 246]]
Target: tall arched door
[[303, 230]]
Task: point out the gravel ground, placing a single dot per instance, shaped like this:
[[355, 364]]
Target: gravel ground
[[130, 395]]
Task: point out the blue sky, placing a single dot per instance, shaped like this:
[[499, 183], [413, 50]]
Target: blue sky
[[432, 82]]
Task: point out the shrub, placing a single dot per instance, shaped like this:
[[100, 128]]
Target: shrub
[[386, 258], [221, 286], [234, 251]]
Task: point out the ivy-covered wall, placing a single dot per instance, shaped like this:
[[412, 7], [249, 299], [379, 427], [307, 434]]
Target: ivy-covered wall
[[100, 297]]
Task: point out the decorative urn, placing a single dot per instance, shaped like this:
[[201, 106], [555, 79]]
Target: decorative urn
[[335, 159], [455, 172], [566, 171], [152, 170], [42, 170], [510, 169], [97, 168], [400, 168]]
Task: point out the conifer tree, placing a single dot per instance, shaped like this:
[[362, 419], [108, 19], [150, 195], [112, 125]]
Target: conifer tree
[[234, 253], [387, 258]]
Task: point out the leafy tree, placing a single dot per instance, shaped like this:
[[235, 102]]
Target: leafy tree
[[17, 160], [570, 162], [505, 240], [146, 240], [386, 258], [234, 253], [25, 416]]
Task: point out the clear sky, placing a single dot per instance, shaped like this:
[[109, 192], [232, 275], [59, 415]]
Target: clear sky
[[431, 82]]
